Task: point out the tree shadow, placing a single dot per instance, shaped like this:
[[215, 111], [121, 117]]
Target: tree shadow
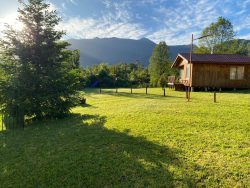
[[133, 95], [87, 105], [237, 91], [141, 95], [80, 152]]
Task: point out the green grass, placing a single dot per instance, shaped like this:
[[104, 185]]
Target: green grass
[[138, 140]]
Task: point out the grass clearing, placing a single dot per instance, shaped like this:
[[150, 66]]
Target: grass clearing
[[138, 140]]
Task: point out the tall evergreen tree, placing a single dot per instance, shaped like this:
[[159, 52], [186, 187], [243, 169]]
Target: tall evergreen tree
[[159, 63], [40, 77]]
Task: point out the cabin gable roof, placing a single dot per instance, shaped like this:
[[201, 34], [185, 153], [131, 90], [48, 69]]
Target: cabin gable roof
[[212, 58]]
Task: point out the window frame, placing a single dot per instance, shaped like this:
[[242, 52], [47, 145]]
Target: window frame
[[237, 74]]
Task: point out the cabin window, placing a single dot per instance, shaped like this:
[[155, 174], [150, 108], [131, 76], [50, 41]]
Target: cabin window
[[188, 71], [236, 72]]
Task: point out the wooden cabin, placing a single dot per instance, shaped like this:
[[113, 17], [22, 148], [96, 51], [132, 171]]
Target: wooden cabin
[[214, 70]]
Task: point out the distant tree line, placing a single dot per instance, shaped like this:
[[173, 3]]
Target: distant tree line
[[132, 74], [118, 75]]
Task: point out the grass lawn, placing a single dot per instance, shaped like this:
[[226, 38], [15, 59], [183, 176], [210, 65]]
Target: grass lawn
[[138, 140]]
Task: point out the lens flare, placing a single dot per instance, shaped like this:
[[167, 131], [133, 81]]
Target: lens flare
[[11, 19]]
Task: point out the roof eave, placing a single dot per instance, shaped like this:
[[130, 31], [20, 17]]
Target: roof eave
[[175, 61]]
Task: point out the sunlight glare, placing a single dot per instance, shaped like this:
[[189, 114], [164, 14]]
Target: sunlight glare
[[11, 19]]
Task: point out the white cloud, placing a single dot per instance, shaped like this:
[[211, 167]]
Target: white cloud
[[116, 21], [246, 36], [177, 23], [172, 38], [64, 6], [73, 2], [180, 21], [107, 3], [242, 35], [171, 21], [52, 6], [243, 24], [103, 28], [118, 11]]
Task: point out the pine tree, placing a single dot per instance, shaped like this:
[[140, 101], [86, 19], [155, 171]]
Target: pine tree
[[40, 77], [159, 63]]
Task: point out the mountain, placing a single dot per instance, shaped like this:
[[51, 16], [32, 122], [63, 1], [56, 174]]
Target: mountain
[[116, 50]]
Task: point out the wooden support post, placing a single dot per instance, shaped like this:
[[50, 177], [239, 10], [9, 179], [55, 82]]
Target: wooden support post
[[189, 93], [131, 90], [214, 96], [186, 93], [146, 90], [164, 90]]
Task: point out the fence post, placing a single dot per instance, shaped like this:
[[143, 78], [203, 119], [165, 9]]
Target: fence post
[[146, 90], [164, 90], [214, 96], [186, 92], [189, 93]]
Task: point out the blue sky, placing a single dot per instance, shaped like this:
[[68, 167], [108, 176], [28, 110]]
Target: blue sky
[[172, 21]]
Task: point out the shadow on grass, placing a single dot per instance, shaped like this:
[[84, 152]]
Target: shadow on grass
[[87, 105], [133, 95], [237, 91], [80, 152]]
